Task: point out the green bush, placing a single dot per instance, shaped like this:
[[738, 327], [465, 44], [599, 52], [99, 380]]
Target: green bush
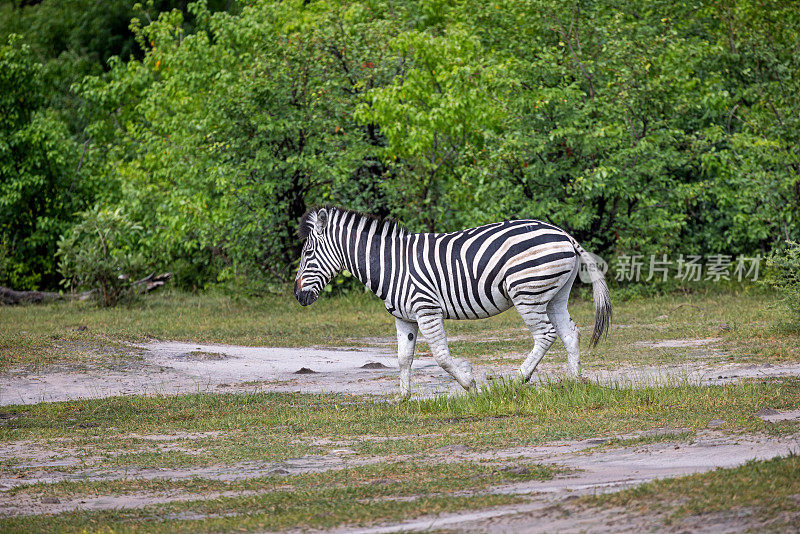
[[648, 127], [103, 254], [783, 274], [43, 175]]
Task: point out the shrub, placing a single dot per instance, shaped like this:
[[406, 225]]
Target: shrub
[[783, 273], [102, 253], [43, 182]]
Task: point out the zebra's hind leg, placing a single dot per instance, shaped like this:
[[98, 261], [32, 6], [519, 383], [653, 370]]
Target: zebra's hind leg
[[535, 317], [406, 341], [565, 326], [432, 327], [568, 332]]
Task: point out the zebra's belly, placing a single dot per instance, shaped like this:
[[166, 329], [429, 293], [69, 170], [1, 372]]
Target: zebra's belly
[[457, 308], [476, 308]]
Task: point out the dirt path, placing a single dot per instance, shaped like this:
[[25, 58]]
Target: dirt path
[[174, 367], [544, 514], [550, 508], [594, 469]]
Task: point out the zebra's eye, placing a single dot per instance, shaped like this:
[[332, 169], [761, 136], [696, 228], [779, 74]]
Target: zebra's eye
[[308, 252]]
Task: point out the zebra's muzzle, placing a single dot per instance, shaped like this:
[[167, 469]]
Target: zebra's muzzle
[[305, 297]]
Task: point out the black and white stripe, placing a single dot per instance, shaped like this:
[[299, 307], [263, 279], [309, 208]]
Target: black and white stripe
[[475, 273]]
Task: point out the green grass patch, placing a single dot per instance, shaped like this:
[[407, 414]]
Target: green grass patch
[[274, 426], [677, 402], [647, 439], [356, 496], [765, 488], [403, 478], [79, 332]]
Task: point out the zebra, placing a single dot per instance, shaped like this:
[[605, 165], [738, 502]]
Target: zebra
[[424, 278]]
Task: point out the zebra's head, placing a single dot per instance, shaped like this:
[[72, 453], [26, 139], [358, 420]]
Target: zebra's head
[[320, 260]]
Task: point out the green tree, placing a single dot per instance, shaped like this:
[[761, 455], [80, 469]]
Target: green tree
[[42, 180], [219, 140], [435, 116], [102, 253], [638, 126]]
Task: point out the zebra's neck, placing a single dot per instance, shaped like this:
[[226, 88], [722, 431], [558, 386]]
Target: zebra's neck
[[371, 249]]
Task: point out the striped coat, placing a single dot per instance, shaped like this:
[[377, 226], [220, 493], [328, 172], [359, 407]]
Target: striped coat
[[475, 273]]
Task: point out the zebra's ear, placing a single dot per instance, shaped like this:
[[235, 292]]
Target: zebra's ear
[[322, 221]]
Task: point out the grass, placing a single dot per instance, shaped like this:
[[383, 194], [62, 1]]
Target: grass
[[680, 404], [79, 333], [271, 427], [647, 439], [398, 461], [410, 471], [767, 489], [406, 478], [359, 495], [272, 511], [37, 336]]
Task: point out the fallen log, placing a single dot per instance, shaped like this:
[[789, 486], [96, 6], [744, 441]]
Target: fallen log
[[12, 297]]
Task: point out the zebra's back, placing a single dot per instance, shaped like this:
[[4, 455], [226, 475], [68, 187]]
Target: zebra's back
[[479, 272]]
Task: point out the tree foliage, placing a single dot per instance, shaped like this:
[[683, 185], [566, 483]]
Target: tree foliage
[[41, 180], [639, 127], [783, 274]]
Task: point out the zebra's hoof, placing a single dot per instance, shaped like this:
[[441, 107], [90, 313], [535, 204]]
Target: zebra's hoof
[[399, 398], [472, 388]]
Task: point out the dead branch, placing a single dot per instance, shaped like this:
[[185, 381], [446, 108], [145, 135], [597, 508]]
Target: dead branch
[[11, 297]]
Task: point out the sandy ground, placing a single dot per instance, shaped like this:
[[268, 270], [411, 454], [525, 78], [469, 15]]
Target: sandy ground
[[550, 508], [594, 469], [174, 367]]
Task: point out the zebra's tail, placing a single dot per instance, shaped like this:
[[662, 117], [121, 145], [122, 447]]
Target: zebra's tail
[[601, 296]]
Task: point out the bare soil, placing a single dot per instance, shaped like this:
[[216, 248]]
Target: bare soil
[[544, 514], [552, 507], [593, 469], [176, 367]]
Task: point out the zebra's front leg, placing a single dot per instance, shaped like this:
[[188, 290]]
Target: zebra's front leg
[[432, 327], [406, 341]]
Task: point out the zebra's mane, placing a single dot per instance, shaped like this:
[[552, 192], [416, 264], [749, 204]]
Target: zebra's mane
[[310, 217]]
